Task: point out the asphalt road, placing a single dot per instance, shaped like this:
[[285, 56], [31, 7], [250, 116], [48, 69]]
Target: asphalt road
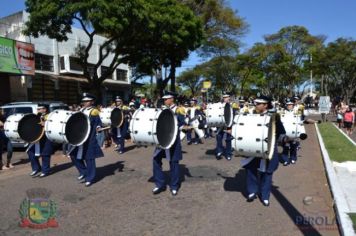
[[211, 200]]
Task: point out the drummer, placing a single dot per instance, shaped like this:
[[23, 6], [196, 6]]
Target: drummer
[[173, 154], [220, 149], [83, 157], [289, 154], [197, 115], [119, 133], [259, 171], [43, 148]]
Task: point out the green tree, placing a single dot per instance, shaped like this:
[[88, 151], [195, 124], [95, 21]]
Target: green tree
[[192, 80]]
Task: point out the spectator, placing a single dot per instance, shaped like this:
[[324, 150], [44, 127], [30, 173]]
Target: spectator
[[339, 117], [349, 120], [5, 142]]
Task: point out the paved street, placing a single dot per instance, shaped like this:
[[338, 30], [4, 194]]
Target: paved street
[[211, 200]]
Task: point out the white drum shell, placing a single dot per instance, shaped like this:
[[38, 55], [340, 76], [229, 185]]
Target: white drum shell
[[105, 116], [215, 115], [195, 125], [252, 135], [143, 127], [55, 126], [11, 127], [293, 125]]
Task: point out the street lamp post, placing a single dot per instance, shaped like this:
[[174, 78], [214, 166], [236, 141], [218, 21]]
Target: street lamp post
[[311, 76]]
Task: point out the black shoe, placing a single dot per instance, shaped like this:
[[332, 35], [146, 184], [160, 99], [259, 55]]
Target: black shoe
[[189, 143], [157, 190], [218, 156], [251, 197], [228, 158]]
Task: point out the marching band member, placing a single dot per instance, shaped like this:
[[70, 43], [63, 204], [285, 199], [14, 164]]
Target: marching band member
[[259, 171], [289, 154], [298, 107], [220, 150], [173, 154], [43, 148], [119, 133], [83, 157], [197, 115]]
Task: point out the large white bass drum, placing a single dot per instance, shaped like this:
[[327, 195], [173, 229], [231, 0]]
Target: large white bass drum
[[71, 127], [111, 116], [195, 125], [24, 128], [219, 115], [153, 126], [293, 125], [254, 135]]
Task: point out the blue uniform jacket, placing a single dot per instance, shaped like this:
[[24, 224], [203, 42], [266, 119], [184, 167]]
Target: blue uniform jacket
[[91, 148], [175, 152]]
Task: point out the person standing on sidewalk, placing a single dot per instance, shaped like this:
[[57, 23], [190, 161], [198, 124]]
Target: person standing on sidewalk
[[5, 142], [259, 171], [349, 120]]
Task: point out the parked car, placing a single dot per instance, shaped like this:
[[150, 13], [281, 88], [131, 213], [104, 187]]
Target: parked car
[[30, 107]]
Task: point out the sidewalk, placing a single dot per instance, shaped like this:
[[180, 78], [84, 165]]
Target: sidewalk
[[342, 177]]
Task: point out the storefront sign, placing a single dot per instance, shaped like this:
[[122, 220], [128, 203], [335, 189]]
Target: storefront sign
[[17, 57]]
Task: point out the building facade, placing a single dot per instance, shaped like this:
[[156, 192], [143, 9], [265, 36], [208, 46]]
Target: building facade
[[58, 74]]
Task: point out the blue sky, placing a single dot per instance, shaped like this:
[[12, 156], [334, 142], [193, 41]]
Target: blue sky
[[332, 18]]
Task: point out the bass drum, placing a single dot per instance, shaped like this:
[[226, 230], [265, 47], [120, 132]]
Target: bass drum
[[153, 126], [24, 128], [293, 125], [111, 116], [254, 135], [67, 127], [219, 115]]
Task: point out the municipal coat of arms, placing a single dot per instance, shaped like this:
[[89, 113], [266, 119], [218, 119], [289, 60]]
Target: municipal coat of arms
[[37, 210]]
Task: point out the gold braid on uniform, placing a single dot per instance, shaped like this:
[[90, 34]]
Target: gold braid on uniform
[[94, 112]]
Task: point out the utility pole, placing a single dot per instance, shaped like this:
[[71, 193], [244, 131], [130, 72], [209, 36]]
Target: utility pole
[[311, 76]]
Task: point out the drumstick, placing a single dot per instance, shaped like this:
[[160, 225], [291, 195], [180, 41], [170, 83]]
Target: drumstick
[[105, 128]]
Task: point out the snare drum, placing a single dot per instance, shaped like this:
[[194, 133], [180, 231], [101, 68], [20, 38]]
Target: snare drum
[[254, 135]]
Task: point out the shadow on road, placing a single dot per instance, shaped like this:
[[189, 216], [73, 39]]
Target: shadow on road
[[210, 152], [184, 172], [111, 169], [305, 227], [61, 167], [21, 161], [237, 183]]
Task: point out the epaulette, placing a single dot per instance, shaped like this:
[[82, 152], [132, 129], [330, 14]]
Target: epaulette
[[235, 105], [125, 108], [45, 117], [197, 107], [180, 111], [94, 112]]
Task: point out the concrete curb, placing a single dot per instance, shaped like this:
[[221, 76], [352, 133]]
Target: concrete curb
[[352, 141], [341, 206]]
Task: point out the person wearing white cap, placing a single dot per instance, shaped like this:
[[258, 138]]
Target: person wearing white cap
[[220, 150], [119, 133], [289, 154], [83, 156], [173, 155], [259, 171], [43, 148]]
